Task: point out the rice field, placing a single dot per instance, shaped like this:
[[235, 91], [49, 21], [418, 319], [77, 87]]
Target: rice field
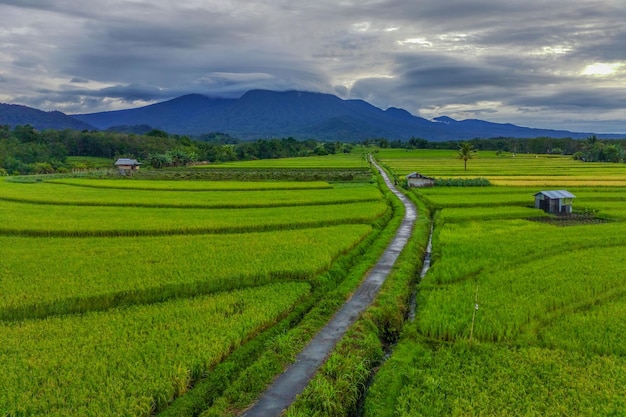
[[129, 361], [342, 161], [117, 296], [76, 194], [521, 170], [73, 221], [79, 274], [520, 313]]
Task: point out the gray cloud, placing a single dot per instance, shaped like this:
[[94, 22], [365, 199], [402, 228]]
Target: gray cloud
[[557, 64]]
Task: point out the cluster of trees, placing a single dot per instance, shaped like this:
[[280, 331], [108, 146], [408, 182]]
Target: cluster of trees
[[540, 145], [594, 150], [24, 150]]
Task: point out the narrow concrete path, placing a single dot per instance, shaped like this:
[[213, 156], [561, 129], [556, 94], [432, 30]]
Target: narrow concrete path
[[293, 381]]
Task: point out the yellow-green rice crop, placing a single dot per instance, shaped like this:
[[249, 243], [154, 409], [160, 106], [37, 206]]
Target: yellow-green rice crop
[[487, 213], [598, 328], [348, 160], [192, 185], [41, 276], [547, 332], [519, 298], [130, 361], [63, 194], [543, 182], [477, 196], [461, 250], [443, 163], [490, 380], [74, 221]]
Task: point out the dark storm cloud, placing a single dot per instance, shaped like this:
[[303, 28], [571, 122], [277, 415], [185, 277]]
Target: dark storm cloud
[[540, 62], [596, 99]]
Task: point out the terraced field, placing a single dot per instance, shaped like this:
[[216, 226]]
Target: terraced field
[[119, 297], [516, 316]]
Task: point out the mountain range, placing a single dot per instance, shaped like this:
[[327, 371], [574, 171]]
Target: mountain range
[[273, 114]]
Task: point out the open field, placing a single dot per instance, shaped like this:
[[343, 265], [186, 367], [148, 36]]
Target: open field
[[80, 274], [179, 195], [72, 221], [349, 160], [129, 361], [521, 170], [516, 316], [118, 298]]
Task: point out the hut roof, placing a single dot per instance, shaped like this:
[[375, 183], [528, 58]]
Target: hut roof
[[127, 161], [556, 194], [417, 175]]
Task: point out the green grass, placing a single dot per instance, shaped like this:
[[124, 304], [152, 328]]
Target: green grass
[[123, 184], [94, 270], [349, 160], [75, 221], [488, 380], [516, 300], [129, 361], [63, 194], [444, 163], [546, 338], [61, 275]]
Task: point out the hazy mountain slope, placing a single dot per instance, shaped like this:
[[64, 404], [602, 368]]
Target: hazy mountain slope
[[15, 114]]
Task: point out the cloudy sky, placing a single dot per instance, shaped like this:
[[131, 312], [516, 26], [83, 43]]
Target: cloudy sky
[[541, 63]]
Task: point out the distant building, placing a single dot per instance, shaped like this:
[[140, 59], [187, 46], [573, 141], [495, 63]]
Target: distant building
[[418, 180], [126, 166], [554, 202]]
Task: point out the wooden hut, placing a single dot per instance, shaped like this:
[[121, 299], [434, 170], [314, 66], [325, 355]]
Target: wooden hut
[[418, 180], [127, 166], [554, 202]]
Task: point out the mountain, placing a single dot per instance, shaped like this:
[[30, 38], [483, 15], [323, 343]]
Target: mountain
[[303, 115], [271, 114], [14, 115]]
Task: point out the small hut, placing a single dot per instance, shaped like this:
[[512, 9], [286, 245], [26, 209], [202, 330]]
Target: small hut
[[554, 202], [418, 180], [127, 166]]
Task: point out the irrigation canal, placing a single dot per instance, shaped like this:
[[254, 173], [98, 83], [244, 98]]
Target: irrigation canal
[[295, 378]]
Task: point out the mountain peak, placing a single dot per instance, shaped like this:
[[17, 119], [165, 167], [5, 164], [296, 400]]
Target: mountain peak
[[444, 119]]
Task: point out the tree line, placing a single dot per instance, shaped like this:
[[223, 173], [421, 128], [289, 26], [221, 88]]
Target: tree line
[[594, 148], [25, 150]]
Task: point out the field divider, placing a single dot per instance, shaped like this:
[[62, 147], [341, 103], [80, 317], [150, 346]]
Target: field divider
[[155, 295], [189, 206], [175, 232], [304, 186]]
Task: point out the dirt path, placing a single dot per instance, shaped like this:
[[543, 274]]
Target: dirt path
[[293, 381]]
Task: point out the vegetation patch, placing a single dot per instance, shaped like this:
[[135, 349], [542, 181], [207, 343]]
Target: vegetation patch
[[574, 219], [515, 317]]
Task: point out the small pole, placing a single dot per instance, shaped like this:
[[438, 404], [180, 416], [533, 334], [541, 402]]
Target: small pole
[[474, 313]]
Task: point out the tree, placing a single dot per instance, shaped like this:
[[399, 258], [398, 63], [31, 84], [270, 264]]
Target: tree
[[611, 153], [466, 151]]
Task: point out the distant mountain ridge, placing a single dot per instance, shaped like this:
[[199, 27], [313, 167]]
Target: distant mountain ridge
[[15, 114], [302, 115]]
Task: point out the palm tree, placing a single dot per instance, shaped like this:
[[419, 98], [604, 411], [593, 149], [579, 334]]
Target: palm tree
[[466, 151]]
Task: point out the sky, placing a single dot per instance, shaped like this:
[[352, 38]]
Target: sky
[[558, 64]]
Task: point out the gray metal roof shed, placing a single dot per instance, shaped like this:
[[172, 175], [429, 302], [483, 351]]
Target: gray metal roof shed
[[127, 161], [556, 194], [555, 201]]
